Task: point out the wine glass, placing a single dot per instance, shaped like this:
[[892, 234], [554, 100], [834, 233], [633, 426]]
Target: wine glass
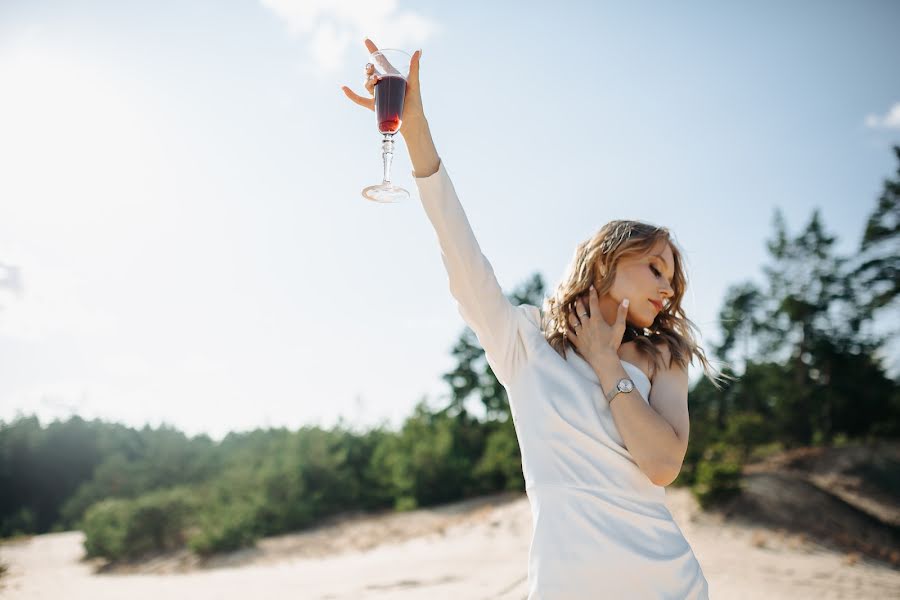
[[390, 91]]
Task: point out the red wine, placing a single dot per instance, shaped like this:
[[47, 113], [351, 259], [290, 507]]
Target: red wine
[[390, 91]]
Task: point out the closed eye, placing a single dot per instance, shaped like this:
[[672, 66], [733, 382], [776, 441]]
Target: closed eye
[[656, 272]]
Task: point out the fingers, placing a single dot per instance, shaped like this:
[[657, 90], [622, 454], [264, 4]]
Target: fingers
[[623, 312], [414, 67], [573, 320], [366, 102], [371, 78], [583, 313], [593, 300], [382, 61]]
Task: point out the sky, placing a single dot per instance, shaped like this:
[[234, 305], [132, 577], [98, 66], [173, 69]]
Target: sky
[[182, 235]]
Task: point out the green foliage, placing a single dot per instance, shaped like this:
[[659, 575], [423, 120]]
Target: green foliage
[[745, 431], [431, 459], [500, 466], [39, 467], [225, 527], [150, 460], [105, 526], [129, 529], [718, 475], [764, 451], [19, 523], [304, 477]]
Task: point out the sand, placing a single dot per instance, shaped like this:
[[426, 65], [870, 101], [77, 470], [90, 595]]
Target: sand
[[476, 549]]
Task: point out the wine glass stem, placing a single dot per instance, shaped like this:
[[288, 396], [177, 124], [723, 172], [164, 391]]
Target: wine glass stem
[[387, 154]]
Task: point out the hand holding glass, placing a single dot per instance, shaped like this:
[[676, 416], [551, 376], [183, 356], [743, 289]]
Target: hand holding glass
[[390, 68]]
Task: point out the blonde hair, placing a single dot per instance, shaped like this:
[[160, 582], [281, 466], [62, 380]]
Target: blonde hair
[[595, 262]]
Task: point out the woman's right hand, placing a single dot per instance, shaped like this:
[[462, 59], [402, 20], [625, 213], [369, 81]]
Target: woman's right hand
[[413, 117]]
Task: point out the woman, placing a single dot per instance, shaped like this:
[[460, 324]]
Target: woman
[[603, 428]]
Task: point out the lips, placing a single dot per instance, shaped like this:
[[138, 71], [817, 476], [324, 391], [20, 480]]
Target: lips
[[658, 305]]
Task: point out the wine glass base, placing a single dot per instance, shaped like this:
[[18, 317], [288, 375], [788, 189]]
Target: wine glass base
[[385, 193]]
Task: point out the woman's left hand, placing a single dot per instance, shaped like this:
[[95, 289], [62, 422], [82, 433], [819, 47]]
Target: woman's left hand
[[593, 337]]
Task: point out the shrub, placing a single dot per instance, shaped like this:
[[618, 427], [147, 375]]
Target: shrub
[[119, 529], [431, 460], [224, 528], [745, 431], [105, 526], [500, 467], [21, 522], [718, 475]]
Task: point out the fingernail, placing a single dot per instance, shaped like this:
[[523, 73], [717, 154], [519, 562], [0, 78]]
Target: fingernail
[[625, 302], [592, 288]]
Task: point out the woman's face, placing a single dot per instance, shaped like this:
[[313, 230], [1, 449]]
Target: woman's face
[[643, 281]]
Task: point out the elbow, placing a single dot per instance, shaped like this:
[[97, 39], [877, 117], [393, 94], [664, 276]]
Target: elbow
[[665, 475]]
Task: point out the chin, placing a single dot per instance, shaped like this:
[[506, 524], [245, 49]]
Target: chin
[[641, 324]]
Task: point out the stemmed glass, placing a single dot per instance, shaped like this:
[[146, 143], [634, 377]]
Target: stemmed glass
[[390, 91]]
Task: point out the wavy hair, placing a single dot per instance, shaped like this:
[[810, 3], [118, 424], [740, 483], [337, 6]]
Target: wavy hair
[[595, 262]]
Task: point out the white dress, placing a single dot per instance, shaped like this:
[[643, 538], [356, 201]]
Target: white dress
[[601, 528]]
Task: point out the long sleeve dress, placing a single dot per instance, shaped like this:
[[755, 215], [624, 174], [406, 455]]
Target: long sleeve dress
[[601, 528]]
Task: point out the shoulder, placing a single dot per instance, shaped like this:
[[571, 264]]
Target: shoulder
[[531, 313], [651, 365], [666, 368], [665, 352]]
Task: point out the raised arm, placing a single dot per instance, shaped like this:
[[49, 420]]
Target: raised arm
[[480, 299]]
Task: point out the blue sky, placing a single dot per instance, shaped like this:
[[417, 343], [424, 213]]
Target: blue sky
[[182, 233]]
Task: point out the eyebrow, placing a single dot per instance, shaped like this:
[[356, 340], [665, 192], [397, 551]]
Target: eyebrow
[[663, 261]]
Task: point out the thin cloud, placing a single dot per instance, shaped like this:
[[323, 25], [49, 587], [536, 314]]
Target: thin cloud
[[331, 26], [889, 121]]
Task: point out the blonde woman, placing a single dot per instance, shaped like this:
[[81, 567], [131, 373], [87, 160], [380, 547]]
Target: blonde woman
[[597, 388]]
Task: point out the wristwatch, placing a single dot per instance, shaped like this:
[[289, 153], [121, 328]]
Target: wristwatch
[[623, 386]]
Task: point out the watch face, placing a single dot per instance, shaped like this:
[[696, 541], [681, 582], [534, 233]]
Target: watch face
[[625, 385]]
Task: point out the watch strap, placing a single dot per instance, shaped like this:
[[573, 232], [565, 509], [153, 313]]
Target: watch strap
[[616, 391]]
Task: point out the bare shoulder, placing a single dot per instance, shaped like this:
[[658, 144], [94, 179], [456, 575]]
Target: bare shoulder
[[651, 368], [665, 358], [673, 370]]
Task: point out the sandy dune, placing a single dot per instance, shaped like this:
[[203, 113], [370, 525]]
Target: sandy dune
[[475, 549]]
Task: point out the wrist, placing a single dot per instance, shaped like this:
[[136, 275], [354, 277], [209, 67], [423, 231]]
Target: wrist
[[422, 153], [414, 129], [604, 359]]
